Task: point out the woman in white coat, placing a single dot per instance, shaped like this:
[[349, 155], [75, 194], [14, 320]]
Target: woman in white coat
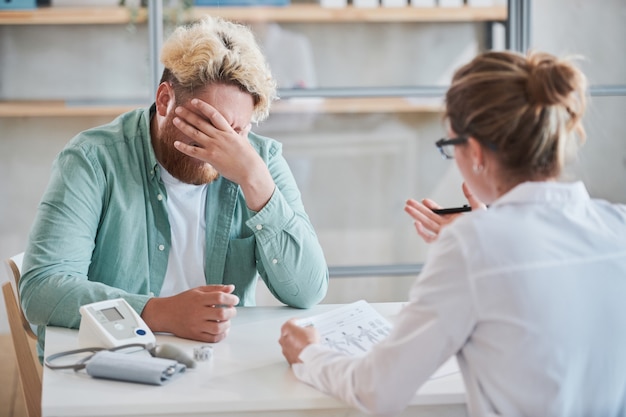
[[529, 293]]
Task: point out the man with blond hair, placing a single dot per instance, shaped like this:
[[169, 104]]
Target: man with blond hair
[[177, 208]]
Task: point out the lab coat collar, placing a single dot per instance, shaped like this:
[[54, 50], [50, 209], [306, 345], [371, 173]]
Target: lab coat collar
[[544, 192]]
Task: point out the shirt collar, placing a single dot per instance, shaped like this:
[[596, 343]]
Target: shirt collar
[[544, 192], [153, 164]]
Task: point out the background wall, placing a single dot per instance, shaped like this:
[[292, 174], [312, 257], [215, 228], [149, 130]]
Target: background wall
[[355, 171]]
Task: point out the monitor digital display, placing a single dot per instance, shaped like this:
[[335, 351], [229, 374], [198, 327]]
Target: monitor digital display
[[112, 314]]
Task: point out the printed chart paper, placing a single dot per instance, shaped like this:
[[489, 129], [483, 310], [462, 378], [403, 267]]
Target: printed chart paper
[[354, 328]]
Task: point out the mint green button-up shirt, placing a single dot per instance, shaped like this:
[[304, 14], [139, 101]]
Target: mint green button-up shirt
[[102, 231]]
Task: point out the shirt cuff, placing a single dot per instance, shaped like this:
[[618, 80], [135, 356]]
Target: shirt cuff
[[273, 217], [308, 356]]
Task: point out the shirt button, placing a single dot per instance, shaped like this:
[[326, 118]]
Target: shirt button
[[151, 294], [161, 247], [259, 226], [274, 261], [159, 197]]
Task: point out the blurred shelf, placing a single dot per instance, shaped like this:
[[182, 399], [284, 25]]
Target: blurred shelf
[[313, 13], [338, 105], [72, 16], [59, 109], [10, 109], [302, 13]]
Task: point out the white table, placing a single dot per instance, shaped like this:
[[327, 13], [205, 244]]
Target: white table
[[247, 376]]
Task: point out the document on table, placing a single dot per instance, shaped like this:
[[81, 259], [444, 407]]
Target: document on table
[[354, 328]]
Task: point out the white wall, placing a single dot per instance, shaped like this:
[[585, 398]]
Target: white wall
[[384, 158]]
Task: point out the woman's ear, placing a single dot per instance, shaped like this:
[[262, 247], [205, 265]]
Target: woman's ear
[[165, 100], [476, 154]]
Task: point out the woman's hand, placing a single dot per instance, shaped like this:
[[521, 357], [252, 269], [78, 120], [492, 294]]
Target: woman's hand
[[429, 224], [294, 338]]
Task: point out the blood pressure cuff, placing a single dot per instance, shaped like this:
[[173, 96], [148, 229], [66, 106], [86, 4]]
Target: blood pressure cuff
[[133, 368]]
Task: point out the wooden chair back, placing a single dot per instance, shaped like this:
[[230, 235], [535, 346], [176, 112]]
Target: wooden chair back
[[24, 341]]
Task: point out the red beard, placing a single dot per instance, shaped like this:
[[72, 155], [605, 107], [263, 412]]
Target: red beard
[[182, 167]]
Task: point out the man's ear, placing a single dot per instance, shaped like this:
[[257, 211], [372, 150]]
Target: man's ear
[[165, 100]]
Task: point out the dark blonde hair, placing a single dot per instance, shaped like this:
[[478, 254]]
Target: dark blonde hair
[[525, 108], [214, 51]]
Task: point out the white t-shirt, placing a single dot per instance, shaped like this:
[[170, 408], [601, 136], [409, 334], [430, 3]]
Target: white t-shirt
[[186, 208], [530, 296]]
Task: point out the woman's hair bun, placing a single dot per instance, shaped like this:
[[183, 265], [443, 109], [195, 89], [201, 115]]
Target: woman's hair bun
[[551, 80]]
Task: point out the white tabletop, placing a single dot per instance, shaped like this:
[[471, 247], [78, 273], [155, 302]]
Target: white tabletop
[[246, 376]]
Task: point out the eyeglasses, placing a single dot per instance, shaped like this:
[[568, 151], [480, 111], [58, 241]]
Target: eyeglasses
[[446, 146]]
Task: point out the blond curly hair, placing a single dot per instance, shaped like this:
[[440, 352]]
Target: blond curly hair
[[213, 50]]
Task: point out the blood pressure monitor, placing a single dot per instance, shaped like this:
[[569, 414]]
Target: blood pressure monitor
[[112, 323]]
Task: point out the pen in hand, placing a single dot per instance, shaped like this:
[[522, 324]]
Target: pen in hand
[[452, 210]]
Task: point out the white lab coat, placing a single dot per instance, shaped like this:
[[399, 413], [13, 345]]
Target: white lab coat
[[531, 297]]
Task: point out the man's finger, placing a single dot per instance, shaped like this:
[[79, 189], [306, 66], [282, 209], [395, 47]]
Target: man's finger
[[216, 118], [227, 288]]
